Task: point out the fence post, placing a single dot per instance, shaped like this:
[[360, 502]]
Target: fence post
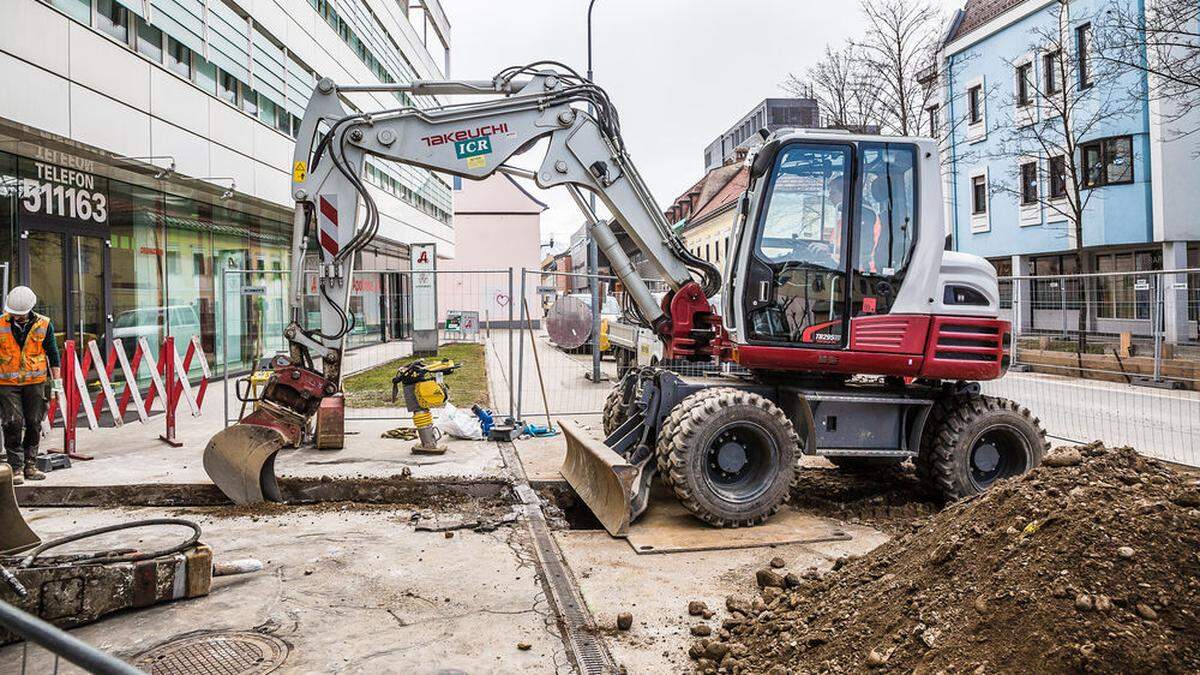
[[1156, 323], [71, 397], [520, 374], [166, 359], [512, 410], [224, 351], [1018, 314]]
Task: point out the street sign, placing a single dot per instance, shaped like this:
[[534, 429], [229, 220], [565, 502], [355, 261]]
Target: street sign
[[1179, 285], [545, 290], [1141, 285], [254, 290]]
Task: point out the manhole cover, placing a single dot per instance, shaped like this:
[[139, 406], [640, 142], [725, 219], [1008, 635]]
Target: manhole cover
[[225, 653]]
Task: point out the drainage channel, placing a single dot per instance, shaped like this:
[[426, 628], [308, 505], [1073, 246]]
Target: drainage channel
[[578, 627]]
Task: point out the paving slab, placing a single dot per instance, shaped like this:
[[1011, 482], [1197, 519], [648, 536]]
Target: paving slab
[[656, 589], [352, 591]]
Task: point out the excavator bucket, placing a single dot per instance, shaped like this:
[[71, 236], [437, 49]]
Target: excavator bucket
[[241, 461], [601, 478], [15, 535]]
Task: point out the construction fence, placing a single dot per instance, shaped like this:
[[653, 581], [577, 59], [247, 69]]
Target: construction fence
[[475, 310]]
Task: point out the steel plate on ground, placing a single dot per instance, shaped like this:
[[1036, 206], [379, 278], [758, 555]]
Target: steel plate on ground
[[569, 322], [667, 527], [226, 652]]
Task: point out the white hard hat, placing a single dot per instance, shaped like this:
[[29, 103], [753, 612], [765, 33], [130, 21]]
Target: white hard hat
[[20, 300]]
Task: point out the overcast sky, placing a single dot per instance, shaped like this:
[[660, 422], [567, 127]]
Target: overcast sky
[[680, 72]]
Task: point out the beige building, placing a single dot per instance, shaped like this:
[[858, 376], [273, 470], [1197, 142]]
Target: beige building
[[704, 214]]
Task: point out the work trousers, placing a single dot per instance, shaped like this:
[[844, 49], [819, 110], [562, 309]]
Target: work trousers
[[22, 408]]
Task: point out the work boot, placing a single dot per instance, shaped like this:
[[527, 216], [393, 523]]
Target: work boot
[[33, 473], [18, 479]]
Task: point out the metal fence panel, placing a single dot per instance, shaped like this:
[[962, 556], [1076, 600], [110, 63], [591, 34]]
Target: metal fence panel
[[474, 307]]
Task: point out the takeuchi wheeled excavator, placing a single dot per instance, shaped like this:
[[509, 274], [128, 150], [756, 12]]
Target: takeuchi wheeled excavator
[[848, 331]]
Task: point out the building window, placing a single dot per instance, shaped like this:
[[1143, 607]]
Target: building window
[[227, 87], [1058, 177], [1083, 46], [1024, 84], [1108, 161], [249, 100], [149, 41], [80, 10], [113, 19], [1050, 65], [179, 58], [978, 195], [1064, 290], [975, 103], [932, 113], [1029, 183], [1118, 296]]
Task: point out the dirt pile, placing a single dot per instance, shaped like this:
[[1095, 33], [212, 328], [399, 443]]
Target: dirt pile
[[1088, 564]]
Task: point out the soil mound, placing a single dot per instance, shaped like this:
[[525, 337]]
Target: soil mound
[[1089, 563]]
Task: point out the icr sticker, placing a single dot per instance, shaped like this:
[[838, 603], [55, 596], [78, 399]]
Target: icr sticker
[[473, 147]]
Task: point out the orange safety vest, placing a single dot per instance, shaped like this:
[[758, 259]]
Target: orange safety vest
[[23, 365]]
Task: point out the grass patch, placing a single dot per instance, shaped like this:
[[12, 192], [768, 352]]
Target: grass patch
[[373, 388]]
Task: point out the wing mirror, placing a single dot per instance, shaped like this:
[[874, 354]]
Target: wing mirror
[[763, 160]]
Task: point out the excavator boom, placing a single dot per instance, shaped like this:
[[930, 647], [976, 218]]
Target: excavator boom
[[336, 217]]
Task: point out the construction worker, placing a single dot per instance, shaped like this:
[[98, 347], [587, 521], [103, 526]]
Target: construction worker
[[28, 356]]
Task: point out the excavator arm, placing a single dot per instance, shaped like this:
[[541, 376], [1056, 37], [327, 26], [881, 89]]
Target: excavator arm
[[336, 216]]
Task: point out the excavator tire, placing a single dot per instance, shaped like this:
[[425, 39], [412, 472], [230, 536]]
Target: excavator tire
[[614, 413], [663, 446], [866, 465], [730, 456], [971, 441]]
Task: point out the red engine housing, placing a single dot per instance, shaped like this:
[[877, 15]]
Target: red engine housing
[[901, 345]]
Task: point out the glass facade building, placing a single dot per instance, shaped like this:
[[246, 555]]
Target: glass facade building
[[110, 259]]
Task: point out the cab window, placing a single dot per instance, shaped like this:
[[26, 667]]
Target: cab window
[[806, 206], [795, 292], [886, 223]]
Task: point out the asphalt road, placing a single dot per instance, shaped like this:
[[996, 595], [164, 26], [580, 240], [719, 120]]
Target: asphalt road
[[1157, 422]]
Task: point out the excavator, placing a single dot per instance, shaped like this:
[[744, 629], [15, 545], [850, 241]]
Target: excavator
[[847, 331]]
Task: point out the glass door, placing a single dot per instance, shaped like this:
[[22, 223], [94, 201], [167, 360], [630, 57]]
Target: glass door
[[69, 274]]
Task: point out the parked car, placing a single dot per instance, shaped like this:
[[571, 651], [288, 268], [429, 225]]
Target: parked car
[[150, 323]]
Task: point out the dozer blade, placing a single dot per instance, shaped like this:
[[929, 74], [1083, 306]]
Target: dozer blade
[[601, 478], [241, 461], [15, 535]]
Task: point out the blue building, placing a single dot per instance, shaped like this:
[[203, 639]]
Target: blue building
[[1007, 74]]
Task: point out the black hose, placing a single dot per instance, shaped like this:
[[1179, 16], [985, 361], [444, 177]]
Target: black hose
[[103, 559]]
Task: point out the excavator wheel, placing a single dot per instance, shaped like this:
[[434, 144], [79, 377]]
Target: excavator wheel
[[866, 465], [730, 456], [615, 414], [662, 450], [971, 442]]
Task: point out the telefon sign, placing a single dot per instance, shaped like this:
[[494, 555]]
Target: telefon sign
[[64, 193]]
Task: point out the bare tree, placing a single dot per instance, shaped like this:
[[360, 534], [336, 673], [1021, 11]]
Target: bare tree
[[845, 90], [1054, 110], [901, 39], [1163, 41]]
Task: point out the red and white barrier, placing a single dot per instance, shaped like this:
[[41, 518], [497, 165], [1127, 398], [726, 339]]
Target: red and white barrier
[[168, 379]]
